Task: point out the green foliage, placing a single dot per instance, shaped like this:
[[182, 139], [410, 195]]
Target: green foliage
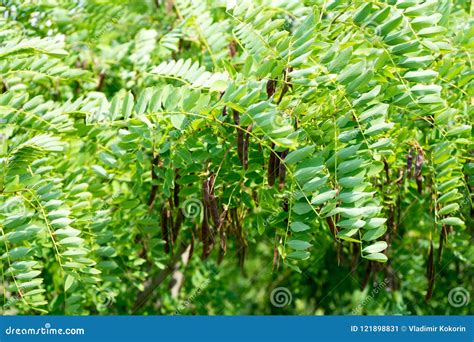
[[325, 146]]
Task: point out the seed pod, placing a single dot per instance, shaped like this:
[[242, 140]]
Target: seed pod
[[276, 255], [232, 49], [276, 259], [272, 167], [419, 184], [387, 171], [282, 171], [177, 225], [213, 202], [101, 82], [206, 236], [332, 226], [176, 189], [442, 239], [285, 84], [271, 86], [418, 166], [206, 188], [277, 164], [165, 228], [236, 117], [191, 249], [430, 273], [223, 243], [400, 177], [233, 222], [215, 211], [285, 204], [418, 163], [409, 163], [245, 152], [224, 111]]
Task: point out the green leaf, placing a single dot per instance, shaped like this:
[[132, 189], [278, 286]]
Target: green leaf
[[127, 106], [380, 257], [300, 255], [452, 221], [299, 227], [375, 247], [298, 155], [448, 209], [323, 197], [299, 244], [69, 282], [374, 234]]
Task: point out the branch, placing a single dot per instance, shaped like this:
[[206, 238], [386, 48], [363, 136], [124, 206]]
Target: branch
[[152, 284]]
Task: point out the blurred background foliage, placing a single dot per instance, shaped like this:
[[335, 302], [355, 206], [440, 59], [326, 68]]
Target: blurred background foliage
[[112, 177]]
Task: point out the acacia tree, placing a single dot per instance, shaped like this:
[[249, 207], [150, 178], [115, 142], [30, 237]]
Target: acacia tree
[[148, 148]]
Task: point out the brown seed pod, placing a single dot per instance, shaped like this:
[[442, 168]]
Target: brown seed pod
[[276, 255], [177, 225], [165, 228], [430, 273], [277, 164], [224, 111], [285, 204], [271, 86], [272, 167], [223, 238], [409, 163], [419, 184], [236, 116], [206, 235], [245, 152], [213, 202], [233, 222], [176, 189], [206, 188], [101, 82], [232, 49], [387, 171], [418, 176], [282, 171], [286, 84], [276, 259], [332, 226], [191, 245], [442, 239]]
